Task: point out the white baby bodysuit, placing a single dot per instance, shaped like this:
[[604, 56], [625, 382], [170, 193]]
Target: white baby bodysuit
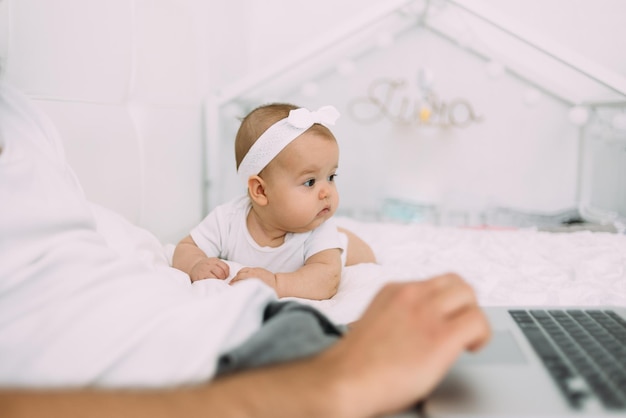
[[223, 233]]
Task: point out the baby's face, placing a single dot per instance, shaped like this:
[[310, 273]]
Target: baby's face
[[300, 183]]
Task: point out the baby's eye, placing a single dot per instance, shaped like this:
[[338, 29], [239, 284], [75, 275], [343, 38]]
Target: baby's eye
[[332, 177], [309, 183]]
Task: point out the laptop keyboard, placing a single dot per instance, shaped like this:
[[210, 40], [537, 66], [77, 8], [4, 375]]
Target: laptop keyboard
[[584, 350]]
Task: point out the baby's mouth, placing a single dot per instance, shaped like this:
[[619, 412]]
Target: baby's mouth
[[324, 211]]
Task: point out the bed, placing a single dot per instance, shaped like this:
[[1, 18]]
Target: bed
[[505, 267], [515, 267]]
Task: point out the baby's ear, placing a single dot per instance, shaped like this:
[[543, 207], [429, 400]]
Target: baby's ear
[[256, 190]]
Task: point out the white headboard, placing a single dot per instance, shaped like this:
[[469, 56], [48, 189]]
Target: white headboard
[[123, 81]]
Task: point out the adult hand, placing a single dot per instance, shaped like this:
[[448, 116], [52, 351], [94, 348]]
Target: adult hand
[[405, 342], [394, 356], [209, 268]]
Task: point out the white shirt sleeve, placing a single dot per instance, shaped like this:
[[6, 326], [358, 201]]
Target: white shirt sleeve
[[324, 237], [208, 235]]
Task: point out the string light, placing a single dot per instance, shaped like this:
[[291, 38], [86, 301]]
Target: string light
[[384, 40], [578, 115], [346, 67], [233, 111], [310, 89], [619, 121], [425, 113]]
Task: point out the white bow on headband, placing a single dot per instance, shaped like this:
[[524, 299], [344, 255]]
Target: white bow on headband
[[280, 134], [303, 118]]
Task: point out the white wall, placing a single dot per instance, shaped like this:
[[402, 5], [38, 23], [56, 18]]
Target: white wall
[[522, 156], [124, 81], [594, 29]]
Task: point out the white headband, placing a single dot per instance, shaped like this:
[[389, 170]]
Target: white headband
[[279, 135]]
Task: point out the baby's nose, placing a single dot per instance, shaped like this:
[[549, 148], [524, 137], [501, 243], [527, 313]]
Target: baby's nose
[[324, 192]]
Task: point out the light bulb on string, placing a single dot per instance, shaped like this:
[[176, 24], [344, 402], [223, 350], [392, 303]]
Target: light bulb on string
[[425, 112], [384, 40], [619, 121], [413, 9], [309, 89], [578, 115], [346, 67], [233, 110]]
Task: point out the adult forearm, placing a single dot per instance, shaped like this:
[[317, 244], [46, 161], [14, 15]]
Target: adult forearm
[[308, 388], [99, 403], [302, 389], [399, 350]]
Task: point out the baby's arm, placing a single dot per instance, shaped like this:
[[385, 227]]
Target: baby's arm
[[189, 258], [318, 279]]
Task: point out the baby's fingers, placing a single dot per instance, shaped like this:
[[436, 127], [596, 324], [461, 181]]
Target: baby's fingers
[[219, 269]]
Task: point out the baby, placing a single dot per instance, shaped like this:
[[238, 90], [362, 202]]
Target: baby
[[282, 229]]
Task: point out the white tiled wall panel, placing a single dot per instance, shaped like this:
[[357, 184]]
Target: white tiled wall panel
[[71, 49], [102, 146], [171, 169], [123, 81]]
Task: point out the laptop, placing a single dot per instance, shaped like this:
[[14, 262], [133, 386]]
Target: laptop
[[541, 362]]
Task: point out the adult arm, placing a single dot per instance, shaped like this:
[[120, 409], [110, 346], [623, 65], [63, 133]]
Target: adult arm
[[317, 279], [394, 356], [270, 392]]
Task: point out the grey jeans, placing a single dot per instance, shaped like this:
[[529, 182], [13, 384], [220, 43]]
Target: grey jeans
[[290, 331]]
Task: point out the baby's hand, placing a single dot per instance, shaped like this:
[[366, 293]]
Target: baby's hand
[[209, 268], [266, 276]]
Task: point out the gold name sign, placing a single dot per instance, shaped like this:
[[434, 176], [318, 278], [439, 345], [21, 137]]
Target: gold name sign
[[390, 99]]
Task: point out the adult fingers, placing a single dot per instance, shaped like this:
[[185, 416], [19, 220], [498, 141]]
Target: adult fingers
[[455, 301], [470, 329], [450, 294]]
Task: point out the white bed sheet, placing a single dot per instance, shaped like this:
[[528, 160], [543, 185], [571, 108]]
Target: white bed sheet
[[505, 267]]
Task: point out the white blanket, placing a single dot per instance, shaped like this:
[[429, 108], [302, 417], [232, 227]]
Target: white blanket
[[505, 267]]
